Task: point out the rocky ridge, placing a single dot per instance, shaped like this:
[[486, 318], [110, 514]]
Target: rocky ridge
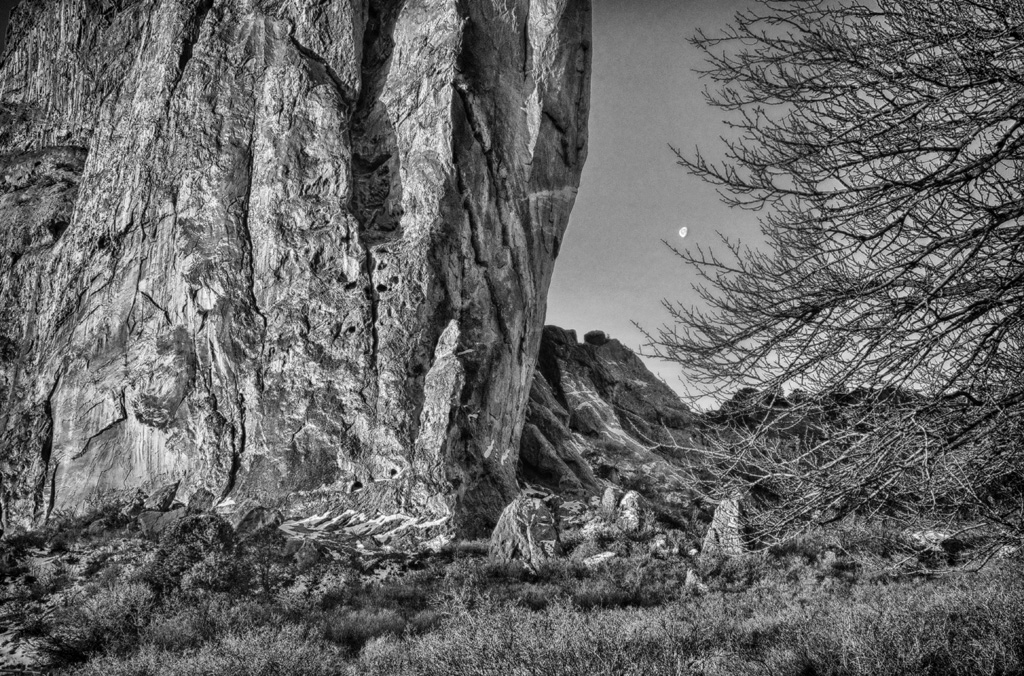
[[598, 417]]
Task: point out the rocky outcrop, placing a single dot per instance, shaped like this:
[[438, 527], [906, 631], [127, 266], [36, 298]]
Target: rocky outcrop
[[596, 416], [526, 532], [284, 249], [726, 534]]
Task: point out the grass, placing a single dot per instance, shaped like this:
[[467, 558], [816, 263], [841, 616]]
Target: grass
[[963, 625], [208, 603]]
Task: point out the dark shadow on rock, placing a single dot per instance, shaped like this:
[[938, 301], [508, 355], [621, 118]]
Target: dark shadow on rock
[[377, 188]]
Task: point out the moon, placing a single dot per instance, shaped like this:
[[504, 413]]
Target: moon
[[682, 232]]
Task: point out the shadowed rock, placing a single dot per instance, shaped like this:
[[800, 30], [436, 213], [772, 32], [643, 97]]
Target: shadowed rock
[[597, 415], [162, 498], [201, 501]]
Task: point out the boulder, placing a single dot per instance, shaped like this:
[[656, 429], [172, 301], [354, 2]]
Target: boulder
[[609, 503], [693, 581], [201, 501], [152, 524], [597, 338], [726, 535], [660, 547], [308, 554], [526, 532], [632, 514], [253, 519], [597, 559], [162, 498]]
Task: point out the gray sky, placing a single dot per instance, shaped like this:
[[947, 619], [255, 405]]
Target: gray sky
[[613, 267], [5, 10]]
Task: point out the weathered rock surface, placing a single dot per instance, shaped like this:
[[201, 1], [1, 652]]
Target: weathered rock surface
[[153, 524], [596, 415], [162, 498], [609, 503], [256, 518], [725, 536], [526, 532], [632, 514], [200, 502], [283, 248]]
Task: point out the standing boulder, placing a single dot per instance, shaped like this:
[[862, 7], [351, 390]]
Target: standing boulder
[[632, 514], [609, 503], [526, 532], [725, 536]]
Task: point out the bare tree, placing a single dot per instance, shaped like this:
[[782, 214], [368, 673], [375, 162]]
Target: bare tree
[[884, 144]]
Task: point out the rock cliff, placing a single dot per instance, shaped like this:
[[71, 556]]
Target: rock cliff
[[281, 249], [597, 417]]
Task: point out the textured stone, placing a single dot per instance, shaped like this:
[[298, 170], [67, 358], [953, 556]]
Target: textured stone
[[693, 581], [597, 559], [256, 519], [308, 554], [596, 414], [309, 250], [609, 503], [153, 524], [162, 498], [201, 501], [632, 516], [525, 532], [725, 536]]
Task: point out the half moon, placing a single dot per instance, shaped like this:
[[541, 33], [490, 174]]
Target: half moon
[[682, 232]]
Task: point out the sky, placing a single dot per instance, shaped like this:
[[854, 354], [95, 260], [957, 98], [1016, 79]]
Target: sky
[[613, 268], [5, 11]]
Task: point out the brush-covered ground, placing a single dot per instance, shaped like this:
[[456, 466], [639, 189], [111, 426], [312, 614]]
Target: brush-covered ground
[[93, 597]]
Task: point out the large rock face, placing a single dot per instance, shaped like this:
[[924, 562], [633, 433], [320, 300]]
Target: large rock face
[[281, 248], [598, 416]]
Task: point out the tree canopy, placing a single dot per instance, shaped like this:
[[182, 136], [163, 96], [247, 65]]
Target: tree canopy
[[883, 143]]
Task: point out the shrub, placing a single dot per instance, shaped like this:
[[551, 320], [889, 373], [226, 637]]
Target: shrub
[[111, 620], [204, 539], [351, 629], [266, 651]]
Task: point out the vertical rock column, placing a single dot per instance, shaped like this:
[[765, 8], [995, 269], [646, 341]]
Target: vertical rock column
[[308, 252]]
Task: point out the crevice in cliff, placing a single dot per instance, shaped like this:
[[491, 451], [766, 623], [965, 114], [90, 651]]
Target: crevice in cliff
[[348, 96], [123, 416], [45, 454], [238, 434], [192, 29], [478, 256], [475, 227], [376, 197], [376, 193], [373, 296], [477, 127], [167, 317], [248, 248]]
